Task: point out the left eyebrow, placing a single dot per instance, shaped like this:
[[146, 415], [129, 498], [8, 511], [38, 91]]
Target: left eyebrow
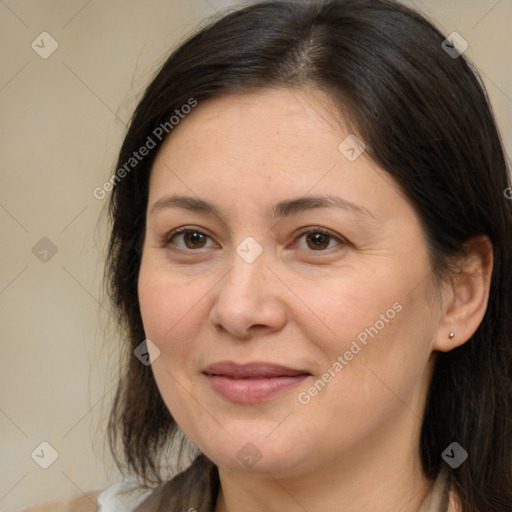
[[281, 209], [301, 204]]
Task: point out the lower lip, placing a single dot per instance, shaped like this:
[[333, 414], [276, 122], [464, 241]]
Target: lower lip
[[252, 390]]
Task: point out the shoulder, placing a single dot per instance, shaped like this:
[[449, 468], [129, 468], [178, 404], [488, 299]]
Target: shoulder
[[443, 496], [454, 504], [83, 502], [199, 484], [197, 487], [122, 496]]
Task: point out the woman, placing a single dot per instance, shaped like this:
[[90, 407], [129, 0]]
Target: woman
[[309, 253]]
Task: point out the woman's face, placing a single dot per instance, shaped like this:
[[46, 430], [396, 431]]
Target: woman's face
[[347, 313]]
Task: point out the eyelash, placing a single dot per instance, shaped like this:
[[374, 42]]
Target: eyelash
[[305, 231]]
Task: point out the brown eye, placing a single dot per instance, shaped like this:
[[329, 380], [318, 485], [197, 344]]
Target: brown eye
[[318, 239], [192, 239]]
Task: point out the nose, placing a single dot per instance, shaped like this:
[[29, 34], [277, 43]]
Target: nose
[[248, 299]]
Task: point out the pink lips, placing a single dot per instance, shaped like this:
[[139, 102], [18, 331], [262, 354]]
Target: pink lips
[[252, 382]]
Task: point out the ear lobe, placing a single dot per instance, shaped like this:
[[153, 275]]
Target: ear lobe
[[468, 296]]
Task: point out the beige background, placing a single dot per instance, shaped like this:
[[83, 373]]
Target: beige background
[[62, 121]]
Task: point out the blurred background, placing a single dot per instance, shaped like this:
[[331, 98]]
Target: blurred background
[[71, 74]]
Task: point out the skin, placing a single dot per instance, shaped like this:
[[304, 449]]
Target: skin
[[297, 305]]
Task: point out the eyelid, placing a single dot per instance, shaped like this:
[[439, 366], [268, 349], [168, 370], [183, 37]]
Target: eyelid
[[317, 229], [303, 231], [178, 231]]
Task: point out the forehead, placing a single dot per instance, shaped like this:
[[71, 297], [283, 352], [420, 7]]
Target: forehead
[[270, 118], [266, 146]]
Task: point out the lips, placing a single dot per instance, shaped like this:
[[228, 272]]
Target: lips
[[252, 370], [252, 382]]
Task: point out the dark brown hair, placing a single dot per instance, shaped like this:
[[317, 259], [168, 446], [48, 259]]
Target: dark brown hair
[[425, 118]]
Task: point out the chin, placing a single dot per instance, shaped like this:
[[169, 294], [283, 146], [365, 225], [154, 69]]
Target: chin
[[258, 455]]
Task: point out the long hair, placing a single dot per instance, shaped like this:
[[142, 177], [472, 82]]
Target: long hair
[[424, 116]]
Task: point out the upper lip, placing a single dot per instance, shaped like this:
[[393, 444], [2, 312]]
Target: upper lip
[[255, 369]]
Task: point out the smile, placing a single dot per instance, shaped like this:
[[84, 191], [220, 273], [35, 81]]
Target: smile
[[252, 382]]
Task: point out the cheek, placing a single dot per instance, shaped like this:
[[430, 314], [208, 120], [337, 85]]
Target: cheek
[[377, 326], [168, 305], [348, 308], [386, 356]]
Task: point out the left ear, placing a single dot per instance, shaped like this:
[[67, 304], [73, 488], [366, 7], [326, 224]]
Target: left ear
[[466, 298]]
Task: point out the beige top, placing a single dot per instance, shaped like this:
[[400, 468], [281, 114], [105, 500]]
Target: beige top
[[195, 488]]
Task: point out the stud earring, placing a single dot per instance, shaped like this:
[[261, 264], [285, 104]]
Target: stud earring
[[451, 335]]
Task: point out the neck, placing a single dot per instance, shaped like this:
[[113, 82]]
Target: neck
[[272, 495], [377, 476]]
